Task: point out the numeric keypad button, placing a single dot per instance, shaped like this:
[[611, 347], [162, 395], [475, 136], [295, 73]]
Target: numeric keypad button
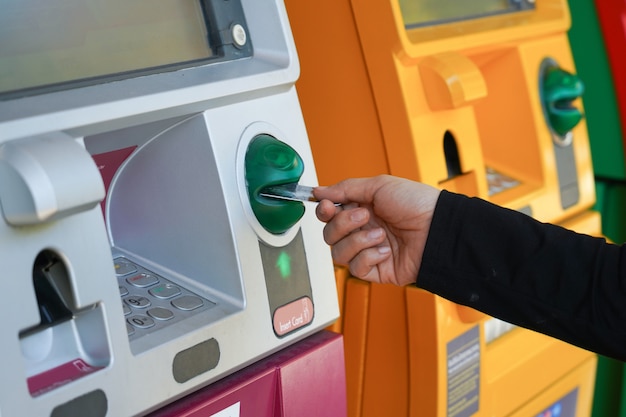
[[137, 301], [141, 322]]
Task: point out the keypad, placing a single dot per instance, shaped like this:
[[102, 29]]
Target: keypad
[[151, 302], [498, 182]]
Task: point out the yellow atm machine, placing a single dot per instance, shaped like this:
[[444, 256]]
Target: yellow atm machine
[[477, 97], [141, 262]]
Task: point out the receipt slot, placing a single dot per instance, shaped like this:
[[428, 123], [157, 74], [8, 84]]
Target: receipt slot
[[480, 98], [140, 272]]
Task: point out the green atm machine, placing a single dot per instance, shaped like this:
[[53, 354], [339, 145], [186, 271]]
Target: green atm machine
[[607, 150]]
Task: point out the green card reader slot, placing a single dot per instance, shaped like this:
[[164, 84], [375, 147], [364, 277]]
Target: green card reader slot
[[270, 162]]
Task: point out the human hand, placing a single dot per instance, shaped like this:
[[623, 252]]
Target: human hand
[[379, 231]]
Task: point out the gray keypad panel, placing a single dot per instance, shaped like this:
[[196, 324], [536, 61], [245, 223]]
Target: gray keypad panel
[[151, 302]]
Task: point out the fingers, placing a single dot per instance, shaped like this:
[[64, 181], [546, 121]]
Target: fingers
[[326, 210], [345, 220], [352, 245], [367, 263], [355, 239], [359, 190], [332, 193]]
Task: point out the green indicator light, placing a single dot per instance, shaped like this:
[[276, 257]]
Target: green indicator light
[[283, 263]]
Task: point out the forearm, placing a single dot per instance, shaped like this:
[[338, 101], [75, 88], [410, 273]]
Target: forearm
[[535, 275]]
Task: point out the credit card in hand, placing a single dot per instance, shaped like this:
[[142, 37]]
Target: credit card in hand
[[292, 192]]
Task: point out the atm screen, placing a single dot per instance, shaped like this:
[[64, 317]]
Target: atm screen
[[56, 41], [430, 12]]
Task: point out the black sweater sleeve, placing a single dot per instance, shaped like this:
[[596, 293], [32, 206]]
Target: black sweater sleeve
[[539, 276]]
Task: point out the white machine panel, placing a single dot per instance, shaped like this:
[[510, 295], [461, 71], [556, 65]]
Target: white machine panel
[[140, 262]]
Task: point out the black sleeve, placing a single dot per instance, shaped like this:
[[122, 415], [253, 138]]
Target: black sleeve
[[539, 276]]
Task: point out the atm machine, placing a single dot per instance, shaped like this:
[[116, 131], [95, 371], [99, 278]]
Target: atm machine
[[140, 259], [597, 37], [612, 16], [475, 97], [608, 149]]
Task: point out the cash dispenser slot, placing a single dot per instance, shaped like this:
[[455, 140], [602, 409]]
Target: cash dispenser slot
[[451, 152], [37, 190], [70, 342], [452, 83], [51, 285], [457, 179]]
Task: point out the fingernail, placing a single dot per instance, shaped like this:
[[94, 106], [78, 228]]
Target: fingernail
[[358, 216], [384, 250], [374, 234]]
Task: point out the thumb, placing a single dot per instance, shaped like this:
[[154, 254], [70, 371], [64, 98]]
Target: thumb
[[353, 190]]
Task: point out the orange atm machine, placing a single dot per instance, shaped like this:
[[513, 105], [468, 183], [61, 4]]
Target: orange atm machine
[[475, 97]]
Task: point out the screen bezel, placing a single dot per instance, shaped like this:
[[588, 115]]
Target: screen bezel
[[220, 17]]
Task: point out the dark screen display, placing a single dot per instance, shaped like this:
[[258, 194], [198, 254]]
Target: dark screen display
[[57, 41], [428, 12]]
